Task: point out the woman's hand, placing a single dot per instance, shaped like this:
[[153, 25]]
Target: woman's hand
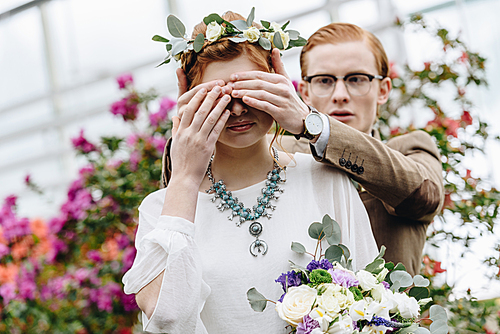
[[272, 93], [195, 133], [185, 95]]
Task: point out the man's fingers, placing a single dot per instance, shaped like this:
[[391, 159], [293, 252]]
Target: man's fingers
[[175, 124], [264, 106], [278, 65], [256, 75], [271, 97], [181, 81]]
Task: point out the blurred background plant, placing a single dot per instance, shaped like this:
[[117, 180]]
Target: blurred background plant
[[63, 275]]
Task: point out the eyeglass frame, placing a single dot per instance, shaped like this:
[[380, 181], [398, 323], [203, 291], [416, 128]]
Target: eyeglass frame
[[308, 79]]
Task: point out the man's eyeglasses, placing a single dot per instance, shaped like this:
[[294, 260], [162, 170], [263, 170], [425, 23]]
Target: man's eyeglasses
[[357, 84]]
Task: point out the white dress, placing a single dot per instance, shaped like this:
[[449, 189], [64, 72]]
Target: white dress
[[208, 265]]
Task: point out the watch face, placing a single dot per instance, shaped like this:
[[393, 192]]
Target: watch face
[[314, 124]]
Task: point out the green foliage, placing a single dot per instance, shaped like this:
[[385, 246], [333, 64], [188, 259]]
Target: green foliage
[[319, 276]]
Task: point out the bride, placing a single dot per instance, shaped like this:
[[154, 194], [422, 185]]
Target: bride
[[197, 252]]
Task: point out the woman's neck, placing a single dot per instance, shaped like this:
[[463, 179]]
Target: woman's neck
[[241, 167]]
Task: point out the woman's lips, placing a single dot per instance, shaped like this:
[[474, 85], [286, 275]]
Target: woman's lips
[[342, 115], [240, 127]]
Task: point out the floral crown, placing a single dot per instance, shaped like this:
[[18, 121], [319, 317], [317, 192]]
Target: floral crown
[[271, 35]]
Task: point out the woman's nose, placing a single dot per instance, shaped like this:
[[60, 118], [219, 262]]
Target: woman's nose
[[237, 107]]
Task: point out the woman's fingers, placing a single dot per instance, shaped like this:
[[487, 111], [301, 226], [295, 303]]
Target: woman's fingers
[[218, 128], [205, 108], [191, 108], [186, 97], [211, 120]]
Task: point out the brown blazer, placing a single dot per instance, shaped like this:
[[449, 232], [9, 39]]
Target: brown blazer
[[402, 185]]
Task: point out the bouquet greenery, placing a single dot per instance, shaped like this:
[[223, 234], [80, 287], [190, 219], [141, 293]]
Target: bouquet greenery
[[326, 296]]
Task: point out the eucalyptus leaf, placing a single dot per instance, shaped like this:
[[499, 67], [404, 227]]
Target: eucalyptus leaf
[[158, 38], [257, 301], [408, 330], [402, 277], [389, 266], [251, 17], [420, 280], [240, 25], [439, 327], [400, 266], [168, 47], [419, 292], [283, 27], [332, 230], [298, 247], [347, 253], [175, 26], [349, 265], [277, 41], [293, 34], [166, 61], [421, 330], [375, 267], [315, 229], [437, 313], [178, 46], [199, 41], [334, 253], [297, 42], [395, 286], [213, 17], [265, 24], [381, 253], [238, 39]]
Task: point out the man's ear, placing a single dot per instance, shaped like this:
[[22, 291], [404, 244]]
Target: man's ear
[[304, 92], [384, 90]]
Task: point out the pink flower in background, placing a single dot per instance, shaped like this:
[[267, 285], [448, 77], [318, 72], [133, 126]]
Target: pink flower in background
[[26, 284], [4, 250], [86, 170], [166, 105], [82, 144], [8, 292], [159, 143], [135, 157], [295, 85], [128, 302], [126, 107], [27, 179], [451, 126], [393, 74], [124, 80], [132, 139], [128, 258], [94, 256]]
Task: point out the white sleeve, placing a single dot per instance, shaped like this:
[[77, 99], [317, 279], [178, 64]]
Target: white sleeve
[[167, 244]]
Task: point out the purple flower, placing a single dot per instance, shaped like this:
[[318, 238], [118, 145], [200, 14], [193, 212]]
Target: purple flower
[[124, 79], [128, 302], [323, 264], [307, 325], [386, 285], [289, 279], [343, 278], [83, 145]]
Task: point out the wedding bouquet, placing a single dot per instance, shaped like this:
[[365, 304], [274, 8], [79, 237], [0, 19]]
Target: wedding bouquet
[[326, 296]]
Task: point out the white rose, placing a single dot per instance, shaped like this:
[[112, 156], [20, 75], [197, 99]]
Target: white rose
[[345, 298], [275, 26], [296, 304], [214, 31], [366, 280], [407, 306], [252, 34]]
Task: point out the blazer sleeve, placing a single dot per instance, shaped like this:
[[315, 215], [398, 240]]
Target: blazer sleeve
[[405, 174]]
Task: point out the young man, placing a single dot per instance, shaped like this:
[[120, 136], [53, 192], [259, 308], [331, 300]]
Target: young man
[[345, 78]]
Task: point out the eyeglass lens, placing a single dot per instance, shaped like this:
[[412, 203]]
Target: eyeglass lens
[[356, 85]]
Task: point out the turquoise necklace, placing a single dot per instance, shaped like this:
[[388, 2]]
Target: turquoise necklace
[[271, 191]]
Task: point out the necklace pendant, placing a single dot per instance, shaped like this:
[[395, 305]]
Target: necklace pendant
[[258, 246]]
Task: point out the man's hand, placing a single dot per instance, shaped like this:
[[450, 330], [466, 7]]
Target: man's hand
[[272, 93]]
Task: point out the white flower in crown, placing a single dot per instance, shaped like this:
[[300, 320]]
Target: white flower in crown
[[252, 34], [214, 31], [285, 37]]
